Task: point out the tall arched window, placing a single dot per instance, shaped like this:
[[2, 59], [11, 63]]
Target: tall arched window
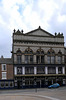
[[40, 56], [51, 56], [28, 56], [19, 56], [59, 57]]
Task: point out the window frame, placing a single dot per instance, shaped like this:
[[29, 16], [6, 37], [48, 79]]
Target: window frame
[[51, 56], [4, 76], [4, 69]]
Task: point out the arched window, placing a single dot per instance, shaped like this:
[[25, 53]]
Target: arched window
[[51, 56], [59, 57], [28, 56], [19, 56], [40, 56]]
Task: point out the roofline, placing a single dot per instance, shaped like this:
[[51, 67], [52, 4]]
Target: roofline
[[39, 28]]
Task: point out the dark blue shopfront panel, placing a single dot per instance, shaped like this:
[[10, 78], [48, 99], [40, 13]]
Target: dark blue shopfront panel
[[6, 84]]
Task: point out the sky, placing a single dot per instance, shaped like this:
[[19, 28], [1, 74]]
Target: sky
[[28, 15]]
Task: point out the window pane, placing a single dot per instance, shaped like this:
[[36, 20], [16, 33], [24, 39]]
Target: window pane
[[48, 59], [52, 59], [51, 70], [38, 59], [31, 58], [3, 75], [18, 59], [26, 59], [29, 70], [6, 84], [40, 70], [2, 84], [59, 70], [42, 59], [59, 59], [11, 84], [42, 52], [19, 70], [4, 67]]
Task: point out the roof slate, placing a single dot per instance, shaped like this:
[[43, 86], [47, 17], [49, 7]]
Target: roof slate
[[6, 61]]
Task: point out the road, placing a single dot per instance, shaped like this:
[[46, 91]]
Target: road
[[34, 94]]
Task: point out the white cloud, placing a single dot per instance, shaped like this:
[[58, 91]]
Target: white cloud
[[28, 15]]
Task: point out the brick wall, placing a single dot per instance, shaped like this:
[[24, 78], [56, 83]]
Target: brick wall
[[10, 72]]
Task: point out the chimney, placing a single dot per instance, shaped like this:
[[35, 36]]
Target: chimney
[[2, 57]]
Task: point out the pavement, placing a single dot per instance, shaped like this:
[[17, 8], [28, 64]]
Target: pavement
[[34, 94]]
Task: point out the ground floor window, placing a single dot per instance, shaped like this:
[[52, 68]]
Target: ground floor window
[[2, 84], [11, 84], [6, 84]]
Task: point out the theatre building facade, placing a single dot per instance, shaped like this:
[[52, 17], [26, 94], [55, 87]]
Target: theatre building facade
[[38, 58]]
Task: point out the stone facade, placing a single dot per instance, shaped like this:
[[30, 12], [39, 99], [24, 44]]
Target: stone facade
[[38, 58]]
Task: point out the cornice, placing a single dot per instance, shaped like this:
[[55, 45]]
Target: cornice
[[30, 41]]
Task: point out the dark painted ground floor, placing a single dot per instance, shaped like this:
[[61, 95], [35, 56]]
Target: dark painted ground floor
[[32, 82]]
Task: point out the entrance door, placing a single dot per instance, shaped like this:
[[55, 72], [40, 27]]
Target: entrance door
[[38, 84], [42, 83], [18, 84]]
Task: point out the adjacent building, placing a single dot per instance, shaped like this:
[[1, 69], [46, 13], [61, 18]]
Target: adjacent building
[[6, 73], [38, 60]]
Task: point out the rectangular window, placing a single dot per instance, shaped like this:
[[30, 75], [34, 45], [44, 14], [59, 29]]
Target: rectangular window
[[3, 75], [3, 67], [51, 70], [52, 59], [59, 70], [59, 60], [40, 70], [42, 59], [19, 59], [38, 59], [31, 58], [19, 70], [26, 59], [49, 59], [29, 70]]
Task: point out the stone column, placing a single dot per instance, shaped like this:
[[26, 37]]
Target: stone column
[[63, 70], [23, 59], [56, 59], [15, 58], [15, 70], [62, 59], [56, 70], [45, 59], [23, 70], [35, 70], [46, 70], [34, 59]]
